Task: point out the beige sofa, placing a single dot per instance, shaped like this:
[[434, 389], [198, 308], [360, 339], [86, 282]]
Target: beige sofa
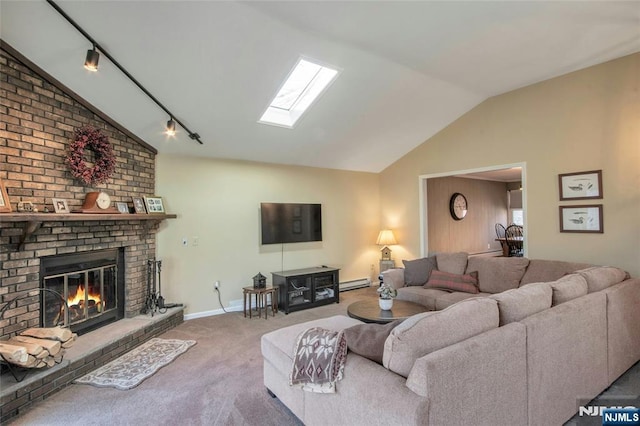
[[526, 355]]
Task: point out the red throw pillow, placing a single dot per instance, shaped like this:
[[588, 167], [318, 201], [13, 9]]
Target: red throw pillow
[[467, 283]]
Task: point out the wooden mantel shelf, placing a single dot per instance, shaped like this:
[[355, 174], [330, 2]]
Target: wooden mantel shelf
[[33, 221], [82, 217]]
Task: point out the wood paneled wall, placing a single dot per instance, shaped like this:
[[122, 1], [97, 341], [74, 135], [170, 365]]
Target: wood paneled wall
[[487, 203]]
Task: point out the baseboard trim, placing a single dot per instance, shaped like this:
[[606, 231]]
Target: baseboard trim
[[234, 306]]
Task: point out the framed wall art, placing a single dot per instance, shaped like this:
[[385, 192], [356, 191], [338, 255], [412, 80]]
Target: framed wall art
[[138, 205], [122, 207], [586, 219], [60, 205], [5, 204], [580, 185], [154, 205]]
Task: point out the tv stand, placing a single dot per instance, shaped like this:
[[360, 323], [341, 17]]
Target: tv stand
[[306, 288]]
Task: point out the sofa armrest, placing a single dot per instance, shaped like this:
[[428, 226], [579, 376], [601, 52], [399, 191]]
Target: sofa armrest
[[394, 277], [475, 379]]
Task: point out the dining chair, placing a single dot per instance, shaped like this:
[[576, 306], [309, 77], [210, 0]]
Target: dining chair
[[513, 236], [500, 230]]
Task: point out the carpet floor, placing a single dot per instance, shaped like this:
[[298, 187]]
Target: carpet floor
[[216, 382]]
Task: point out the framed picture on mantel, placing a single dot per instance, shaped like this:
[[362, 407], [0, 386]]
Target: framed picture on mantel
[[5, 205], [154, 205], [138, 205]]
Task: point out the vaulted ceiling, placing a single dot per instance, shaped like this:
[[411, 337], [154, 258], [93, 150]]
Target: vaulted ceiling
[[408, 69]]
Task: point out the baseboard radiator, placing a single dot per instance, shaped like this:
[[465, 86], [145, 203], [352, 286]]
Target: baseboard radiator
[[350, 285]]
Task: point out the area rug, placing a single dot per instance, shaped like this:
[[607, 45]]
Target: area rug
[[132, 368]]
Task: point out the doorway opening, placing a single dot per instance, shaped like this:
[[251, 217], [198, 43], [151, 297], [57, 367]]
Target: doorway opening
[[514, 178]]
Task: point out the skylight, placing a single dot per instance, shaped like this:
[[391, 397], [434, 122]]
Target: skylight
[[304, 85]]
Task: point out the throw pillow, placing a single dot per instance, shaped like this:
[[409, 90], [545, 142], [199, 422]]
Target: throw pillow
[[519, 303], [568, 288], [466, 283], [367, 340], [453, 263], [601, 277], [416, 272], [498, 274], [428, 332]]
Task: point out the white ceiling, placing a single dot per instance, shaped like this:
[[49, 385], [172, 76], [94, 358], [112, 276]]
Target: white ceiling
[[408, 69]]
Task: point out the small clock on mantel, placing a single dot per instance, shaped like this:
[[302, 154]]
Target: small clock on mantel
[[458, 206], [96, 202]]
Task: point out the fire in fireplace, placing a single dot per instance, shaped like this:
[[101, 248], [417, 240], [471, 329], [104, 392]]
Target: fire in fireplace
[[90, 283]]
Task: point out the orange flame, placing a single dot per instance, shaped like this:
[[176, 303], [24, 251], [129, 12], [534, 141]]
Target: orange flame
[[79, 297]]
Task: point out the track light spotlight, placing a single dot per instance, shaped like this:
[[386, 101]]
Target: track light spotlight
[[171, 127], [91, 63]]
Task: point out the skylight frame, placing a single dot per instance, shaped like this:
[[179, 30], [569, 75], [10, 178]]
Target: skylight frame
[[310, 93]]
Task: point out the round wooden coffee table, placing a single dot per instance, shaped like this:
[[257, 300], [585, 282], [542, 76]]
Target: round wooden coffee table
[[369, 311]]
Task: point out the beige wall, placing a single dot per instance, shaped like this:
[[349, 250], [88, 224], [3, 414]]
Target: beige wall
[[487, 202], [218, 201], [586, 120]]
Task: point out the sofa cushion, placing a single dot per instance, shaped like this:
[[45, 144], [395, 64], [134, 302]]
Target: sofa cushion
[[416, 272], [367, 340], [541, 270], [448, 299], [278, 346], [466, 283], [421, 296], [519, 303], [498, 274], [567, 288], [453, 263], [600, 277], [424, 333]]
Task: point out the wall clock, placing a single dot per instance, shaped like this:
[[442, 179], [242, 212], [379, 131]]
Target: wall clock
[[458, 206]]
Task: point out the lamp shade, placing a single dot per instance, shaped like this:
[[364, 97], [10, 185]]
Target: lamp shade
[[386, 237]]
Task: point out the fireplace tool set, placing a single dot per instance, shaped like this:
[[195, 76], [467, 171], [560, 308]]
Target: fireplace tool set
[[154, 301]]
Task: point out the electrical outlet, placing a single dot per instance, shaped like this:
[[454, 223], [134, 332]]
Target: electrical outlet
[[196, 241], [216, 285], [488, 245]]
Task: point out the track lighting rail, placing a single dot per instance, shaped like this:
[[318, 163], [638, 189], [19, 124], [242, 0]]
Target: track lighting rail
[[193, 135]]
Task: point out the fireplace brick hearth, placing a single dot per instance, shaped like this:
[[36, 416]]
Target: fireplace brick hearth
[[38, 117]]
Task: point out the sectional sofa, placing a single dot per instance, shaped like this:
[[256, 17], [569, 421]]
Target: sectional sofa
[[527, 354]]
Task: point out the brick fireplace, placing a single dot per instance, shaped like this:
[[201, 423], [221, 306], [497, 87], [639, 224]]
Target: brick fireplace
[[38, 117], [83, 291]]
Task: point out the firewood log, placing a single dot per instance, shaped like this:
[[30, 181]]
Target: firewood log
[[52, 333], [14, 354], [43, 354], [32, 348], [70, 342], [52, 346], [30, 362]]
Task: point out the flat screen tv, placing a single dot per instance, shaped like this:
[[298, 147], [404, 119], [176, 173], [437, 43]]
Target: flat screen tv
[[290, 222]]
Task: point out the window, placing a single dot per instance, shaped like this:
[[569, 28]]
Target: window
[[303, 86], [515, 207], [517, 217]]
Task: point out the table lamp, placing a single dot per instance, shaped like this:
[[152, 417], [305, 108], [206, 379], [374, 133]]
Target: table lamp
[[386, 238]]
